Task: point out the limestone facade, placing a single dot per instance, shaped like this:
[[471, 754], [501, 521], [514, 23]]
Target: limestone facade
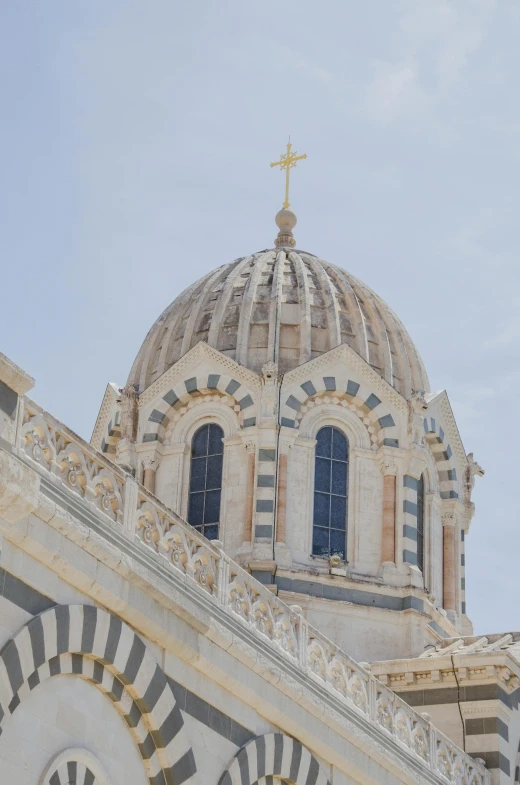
[[270, 405], [134, 650]]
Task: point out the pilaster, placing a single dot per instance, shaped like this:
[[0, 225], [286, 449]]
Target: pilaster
[[388, 548]]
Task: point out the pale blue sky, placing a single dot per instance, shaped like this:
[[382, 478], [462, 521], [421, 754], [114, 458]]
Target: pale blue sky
[[136, 139]]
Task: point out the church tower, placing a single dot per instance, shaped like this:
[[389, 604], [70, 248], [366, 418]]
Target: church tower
[[281, 408]]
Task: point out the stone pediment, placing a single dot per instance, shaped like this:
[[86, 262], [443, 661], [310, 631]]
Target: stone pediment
[[202, 358], [202, 372], [345, 357]]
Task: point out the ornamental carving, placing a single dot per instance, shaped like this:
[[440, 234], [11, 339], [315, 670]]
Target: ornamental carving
[[56, 452], [129, 413], [269, 394], [473, 469], [417, 406], [185, 550], [258, 607], [82, 470]]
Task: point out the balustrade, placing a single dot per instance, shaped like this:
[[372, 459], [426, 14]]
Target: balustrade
[[65, 458]]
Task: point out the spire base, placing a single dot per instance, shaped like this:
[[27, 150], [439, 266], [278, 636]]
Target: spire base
[[285, 221]]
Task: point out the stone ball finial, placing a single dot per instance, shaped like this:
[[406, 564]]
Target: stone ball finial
[[286, 221]]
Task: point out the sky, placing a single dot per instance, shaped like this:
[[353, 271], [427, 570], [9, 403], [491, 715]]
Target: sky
[[135, 145]]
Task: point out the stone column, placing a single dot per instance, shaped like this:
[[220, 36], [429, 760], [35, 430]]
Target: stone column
[[281, 506], [150, 465], [389, 470], [250, 491], [449, 566]]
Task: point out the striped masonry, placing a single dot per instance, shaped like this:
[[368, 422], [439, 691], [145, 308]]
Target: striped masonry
[[356, 396], [487, 738], [73, 772], [442, 453], [410, 520], [274, 755], [265, 493], [94, 645], [184, 391]]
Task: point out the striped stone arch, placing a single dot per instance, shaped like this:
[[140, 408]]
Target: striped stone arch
[[441, 451], [74, 766], [357, 397], [184, 391], [89, 643], [274, 756]]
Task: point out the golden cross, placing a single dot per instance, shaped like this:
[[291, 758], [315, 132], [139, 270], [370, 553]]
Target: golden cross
[[287, 162]]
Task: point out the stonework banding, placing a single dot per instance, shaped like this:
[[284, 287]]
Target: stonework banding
[[255, 572]]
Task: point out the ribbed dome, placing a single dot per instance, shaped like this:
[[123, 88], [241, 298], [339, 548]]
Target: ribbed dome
[[282, 305]]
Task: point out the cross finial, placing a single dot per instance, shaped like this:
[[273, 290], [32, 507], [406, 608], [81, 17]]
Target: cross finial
[[287, 162]]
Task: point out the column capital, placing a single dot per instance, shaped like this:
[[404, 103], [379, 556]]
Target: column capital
[[285, 445], [453, 507], [150, 462], [388, 466], [449, 518]]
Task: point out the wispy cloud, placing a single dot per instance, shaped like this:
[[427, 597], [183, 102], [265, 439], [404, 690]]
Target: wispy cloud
[[508, 333], [435, 43], [471, 400], [291, 59]]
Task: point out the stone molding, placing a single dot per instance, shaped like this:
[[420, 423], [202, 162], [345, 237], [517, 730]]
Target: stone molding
[[246, 602], [451, 669], [14, 377]]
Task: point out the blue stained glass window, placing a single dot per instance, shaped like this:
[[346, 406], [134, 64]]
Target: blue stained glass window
[[330, 493], [207, 454]]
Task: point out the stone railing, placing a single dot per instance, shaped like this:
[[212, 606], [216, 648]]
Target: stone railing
[[67, 459]]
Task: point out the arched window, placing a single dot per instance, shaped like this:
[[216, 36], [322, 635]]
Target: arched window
[[420, 523], [207, 452], [330, 493]]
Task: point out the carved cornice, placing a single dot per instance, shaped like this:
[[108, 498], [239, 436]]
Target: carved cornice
[[421, 673]]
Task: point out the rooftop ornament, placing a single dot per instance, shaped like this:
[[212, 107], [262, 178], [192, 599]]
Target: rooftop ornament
[[285, 218]]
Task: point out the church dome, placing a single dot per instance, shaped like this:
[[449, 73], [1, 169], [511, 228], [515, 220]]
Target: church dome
[[283, 305]]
